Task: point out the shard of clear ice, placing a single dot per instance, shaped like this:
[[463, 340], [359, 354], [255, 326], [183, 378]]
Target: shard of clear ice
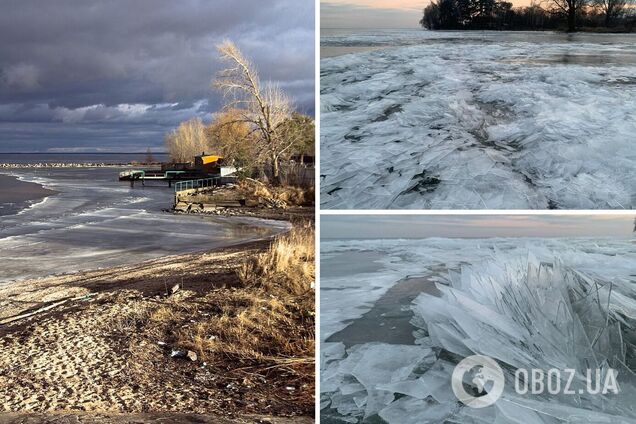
[[525, 311], [487, 122]]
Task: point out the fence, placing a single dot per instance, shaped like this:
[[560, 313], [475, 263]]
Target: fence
[[192, 184], [293, 174]]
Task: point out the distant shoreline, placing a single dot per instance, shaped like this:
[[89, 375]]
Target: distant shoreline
[[15, 191], [73, 165]]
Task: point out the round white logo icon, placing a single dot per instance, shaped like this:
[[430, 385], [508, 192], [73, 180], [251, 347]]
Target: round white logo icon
[[485, 374]]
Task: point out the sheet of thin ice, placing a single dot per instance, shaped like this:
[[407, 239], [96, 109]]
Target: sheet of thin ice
[[473, 314], [479, 121]]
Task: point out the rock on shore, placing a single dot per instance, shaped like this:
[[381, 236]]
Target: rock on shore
[[71, 165], [57, 165]]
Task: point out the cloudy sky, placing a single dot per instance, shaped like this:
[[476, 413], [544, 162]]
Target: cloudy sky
[[115, 75], [371, 13], [412, 226]]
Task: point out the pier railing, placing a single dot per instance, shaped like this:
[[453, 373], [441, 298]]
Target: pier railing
[[192, 184]]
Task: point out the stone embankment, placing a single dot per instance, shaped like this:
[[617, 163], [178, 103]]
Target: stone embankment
[[59, 165], [72, 165]]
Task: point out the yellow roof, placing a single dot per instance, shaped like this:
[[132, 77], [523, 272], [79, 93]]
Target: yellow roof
[[210, 158]]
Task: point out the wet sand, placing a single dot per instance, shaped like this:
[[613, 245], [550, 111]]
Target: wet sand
[[15, 191], [74, 343]]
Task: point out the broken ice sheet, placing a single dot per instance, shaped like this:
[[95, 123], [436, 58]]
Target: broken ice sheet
[[370, 365], [493, 122], [532, 303]]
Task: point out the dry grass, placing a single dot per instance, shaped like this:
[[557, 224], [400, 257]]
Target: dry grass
[[270, 317], [287, 266], [290, 195], [262, 329]]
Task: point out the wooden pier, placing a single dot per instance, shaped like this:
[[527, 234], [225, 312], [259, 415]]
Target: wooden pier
[[169, 176]]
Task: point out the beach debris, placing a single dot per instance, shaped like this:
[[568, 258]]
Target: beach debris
[[45, 308], [274, 203], [178, 353], [175, 288], [181, 353]]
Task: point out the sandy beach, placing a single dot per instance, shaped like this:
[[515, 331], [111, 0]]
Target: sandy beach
[[88, 342]]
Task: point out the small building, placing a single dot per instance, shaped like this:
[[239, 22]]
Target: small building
[[208, 164]]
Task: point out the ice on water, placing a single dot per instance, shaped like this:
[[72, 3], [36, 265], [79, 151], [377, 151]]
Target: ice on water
[[492, 122], [528, 303], [95, 221]]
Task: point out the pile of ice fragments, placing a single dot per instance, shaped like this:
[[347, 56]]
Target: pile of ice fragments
[[479, 125], [521, 312]]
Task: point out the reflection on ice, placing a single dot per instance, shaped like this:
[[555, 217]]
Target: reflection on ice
[[528, 303], [94, 221], [484, 122]]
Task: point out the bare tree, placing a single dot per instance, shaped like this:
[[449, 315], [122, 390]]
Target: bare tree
[[570, 8], [187, 141], [234, 139], [263, 106], [300, 130], [612, 9]]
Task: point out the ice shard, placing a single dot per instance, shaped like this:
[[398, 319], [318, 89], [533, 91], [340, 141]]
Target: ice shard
[[539, 310]]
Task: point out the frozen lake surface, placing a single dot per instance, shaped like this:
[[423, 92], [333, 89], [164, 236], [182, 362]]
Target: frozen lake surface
[[478, 120], [95, 221], [393, 329]]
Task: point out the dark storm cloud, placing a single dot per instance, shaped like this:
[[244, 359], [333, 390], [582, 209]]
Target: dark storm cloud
[[79, 73]]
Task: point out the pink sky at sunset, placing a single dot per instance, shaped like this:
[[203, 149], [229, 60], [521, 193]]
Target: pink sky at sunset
[[421, 226], [376, 13]]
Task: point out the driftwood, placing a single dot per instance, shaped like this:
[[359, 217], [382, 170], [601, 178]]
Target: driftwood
[[42, 309], [254, 181]]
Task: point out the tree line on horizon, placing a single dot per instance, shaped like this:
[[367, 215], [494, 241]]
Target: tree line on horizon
[[570, 15], [257, 127]]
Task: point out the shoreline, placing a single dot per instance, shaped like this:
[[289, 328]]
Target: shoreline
[[261, 222], [82, 254], [43, 289], [40, 165], [15, 191], [65, 335]]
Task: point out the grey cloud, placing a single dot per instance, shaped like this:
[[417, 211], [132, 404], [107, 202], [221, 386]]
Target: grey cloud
[[83, 59]]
